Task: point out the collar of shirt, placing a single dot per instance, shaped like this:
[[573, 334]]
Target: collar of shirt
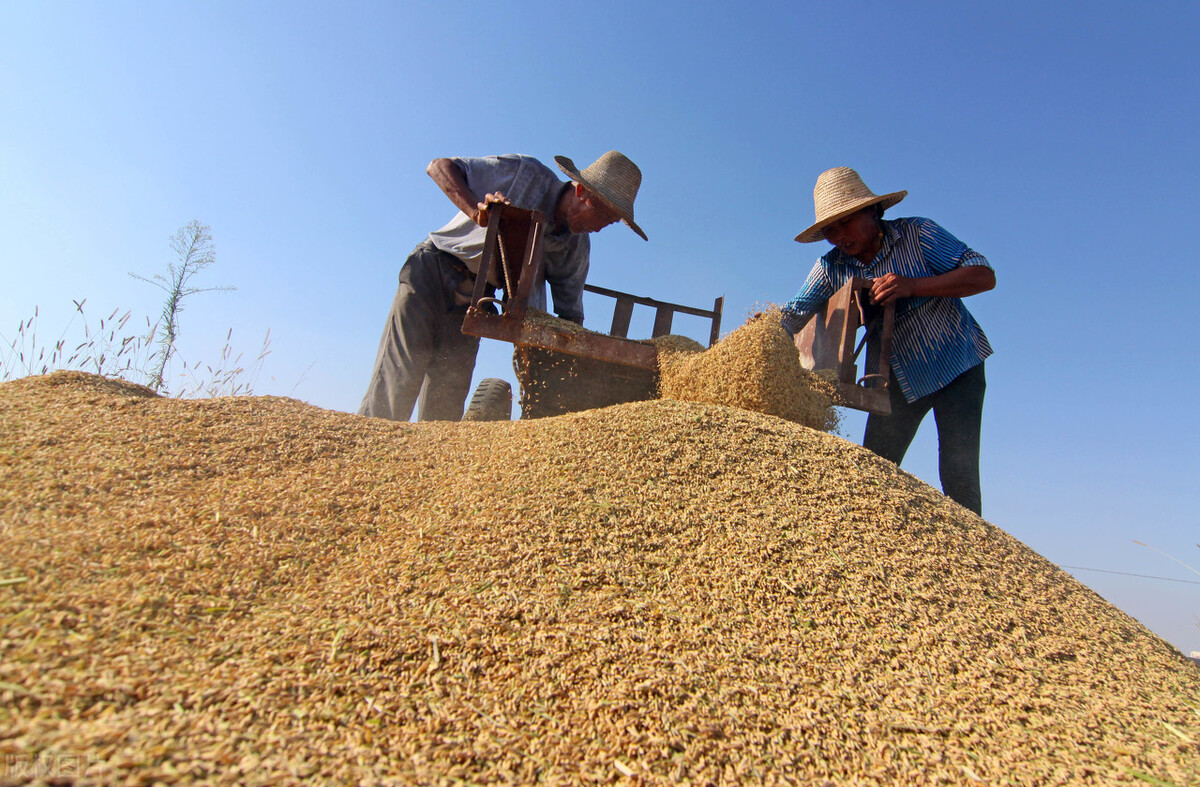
[[891, 236], [549, 206]]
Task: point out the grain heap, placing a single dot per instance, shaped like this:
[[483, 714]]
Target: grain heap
[[671, 343], [757, 367], [256, 591], [668, 342]]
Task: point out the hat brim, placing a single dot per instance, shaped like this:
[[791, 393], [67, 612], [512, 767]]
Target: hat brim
[[568, 166], [817, 231]]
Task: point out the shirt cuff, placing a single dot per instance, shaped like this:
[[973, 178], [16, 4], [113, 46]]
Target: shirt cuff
[[974, 258], [792, 323]]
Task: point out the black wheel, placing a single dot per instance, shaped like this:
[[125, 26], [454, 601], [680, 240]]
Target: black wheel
[[492, 401]]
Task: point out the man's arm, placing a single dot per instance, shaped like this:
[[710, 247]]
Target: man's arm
[[451, 180]]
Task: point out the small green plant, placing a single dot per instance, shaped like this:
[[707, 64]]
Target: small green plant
[[113, 350], [194, 245]]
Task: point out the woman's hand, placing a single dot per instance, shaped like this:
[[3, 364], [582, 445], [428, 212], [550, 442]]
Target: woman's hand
[[958, 283], [889, 288]]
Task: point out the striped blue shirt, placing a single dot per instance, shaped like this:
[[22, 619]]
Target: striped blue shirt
[[934, 340]]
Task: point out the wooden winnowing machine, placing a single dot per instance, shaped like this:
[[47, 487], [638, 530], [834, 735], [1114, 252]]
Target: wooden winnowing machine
[[827, 342], [562, 370]]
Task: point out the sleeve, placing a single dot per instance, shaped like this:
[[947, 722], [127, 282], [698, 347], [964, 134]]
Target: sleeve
[[566, 275], [943, 252], [486, 174], [816, 290]]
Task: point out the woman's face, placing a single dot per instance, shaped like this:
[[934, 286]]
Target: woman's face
[[855, 234]]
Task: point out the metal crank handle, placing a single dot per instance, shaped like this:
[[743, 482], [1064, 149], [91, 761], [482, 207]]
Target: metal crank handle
[[497, 301]]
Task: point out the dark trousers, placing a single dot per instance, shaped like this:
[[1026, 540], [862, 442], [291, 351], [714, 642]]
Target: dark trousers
[[958, 411], [423, 357]]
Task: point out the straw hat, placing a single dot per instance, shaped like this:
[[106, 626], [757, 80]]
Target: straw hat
[[614, 179], [838, 193]]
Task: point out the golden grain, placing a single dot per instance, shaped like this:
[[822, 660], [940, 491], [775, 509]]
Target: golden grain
[[690, 593], [756, 367]]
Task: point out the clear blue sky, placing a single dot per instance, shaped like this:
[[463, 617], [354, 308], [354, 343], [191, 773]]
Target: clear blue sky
[[1058, 139]]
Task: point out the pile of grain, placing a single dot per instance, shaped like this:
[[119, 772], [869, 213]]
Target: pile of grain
[[257, 591], [672, 343], [667, 342], [756, 367]]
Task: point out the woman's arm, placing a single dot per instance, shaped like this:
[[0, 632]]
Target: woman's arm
[[958, 283]]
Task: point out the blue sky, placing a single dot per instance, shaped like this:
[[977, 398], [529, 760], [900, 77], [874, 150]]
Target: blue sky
[[1058, 139]]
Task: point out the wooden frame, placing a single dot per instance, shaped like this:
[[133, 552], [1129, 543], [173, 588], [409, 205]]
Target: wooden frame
[[827, 342]]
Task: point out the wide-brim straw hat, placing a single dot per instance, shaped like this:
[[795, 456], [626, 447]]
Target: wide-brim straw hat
[[614, 179], [838, 193]]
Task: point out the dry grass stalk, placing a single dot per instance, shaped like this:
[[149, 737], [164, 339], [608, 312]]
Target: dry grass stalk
[[256, 591]]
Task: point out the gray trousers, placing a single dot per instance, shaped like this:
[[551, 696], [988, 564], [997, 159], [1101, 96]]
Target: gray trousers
[[423, 357]]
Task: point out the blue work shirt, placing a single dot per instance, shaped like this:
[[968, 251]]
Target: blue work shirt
[[528, 184], [934, 339]]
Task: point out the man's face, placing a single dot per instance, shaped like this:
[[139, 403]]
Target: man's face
[[855, 233], [593, 215]]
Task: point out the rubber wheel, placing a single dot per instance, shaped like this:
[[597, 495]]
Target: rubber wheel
[[492, 401]]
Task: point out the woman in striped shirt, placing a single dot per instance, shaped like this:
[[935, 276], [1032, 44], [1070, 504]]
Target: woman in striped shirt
[[938, 348]]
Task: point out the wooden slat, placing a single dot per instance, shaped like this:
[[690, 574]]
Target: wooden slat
[[715, 334], [622, 314], [582, 343]]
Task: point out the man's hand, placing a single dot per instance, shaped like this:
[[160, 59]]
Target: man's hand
[[481, 210], [889, 288], [453, 183]]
